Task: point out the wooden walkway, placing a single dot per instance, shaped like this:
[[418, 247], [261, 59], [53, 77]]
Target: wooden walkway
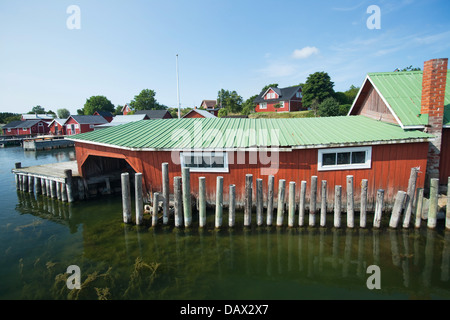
[[52, 171]]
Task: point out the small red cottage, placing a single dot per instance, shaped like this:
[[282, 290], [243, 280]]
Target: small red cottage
[[210, 106], [82, 124], [57, 127], [32, 128], [279, 100], [199, 113], [11, 129], [105, 114], [125, 110]]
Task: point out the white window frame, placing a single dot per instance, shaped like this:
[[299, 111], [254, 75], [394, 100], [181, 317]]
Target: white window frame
[[9, 129], [77, 126], [298, 94], [281, 104], [91, 126], [365, 165], [263, 105], [205, 154]]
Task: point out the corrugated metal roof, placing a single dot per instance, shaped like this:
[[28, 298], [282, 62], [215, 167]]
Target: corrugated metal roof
[[246, 133], [403, 93]]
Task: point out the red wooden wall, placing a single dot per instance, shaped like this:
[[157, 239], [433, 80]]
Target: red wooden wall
[[390, 170]]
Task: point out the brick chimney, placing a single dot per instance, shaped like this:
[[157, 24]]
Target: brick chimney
[[433, 93]]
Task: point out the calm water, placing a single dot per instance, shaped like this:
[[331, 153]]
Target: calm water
[[40, 238]]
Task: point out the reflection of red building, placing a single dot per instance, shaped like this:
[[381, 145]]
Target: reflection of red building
[[82, 124], [57, 127], [279, 100]]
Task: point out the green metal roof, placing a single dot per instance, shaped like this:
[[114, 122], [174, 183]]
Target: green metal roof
[[403, 92], [232, 133]]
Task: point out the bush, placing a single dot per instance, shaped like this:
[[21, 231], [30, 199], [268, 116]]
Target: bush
[[329, 108], [222, 113]]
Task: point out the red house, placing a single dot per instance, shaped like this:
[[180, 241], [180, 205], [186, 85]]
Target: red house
[[82, 124], [31, 128], [126, 110], [413, 100], [11, 129], [199, 113], [279, 100], [210, 106], [105, 114], [57, 127]]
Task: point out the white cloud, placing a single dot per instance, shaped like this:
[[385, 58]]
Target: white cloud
[[304, 53]]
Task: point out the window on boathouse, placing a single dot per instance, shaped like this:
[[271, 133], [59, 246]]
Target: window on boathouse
[[204, 161], [344, 158]]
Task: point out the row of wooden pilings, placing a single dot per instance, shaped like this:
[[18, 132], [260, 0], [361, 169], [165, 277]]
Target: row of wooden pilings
[[405, 202], [56, 188]]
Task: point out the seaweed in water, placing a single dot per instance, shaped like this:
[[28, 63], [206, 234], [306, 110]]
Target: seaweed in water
[[142, 277]]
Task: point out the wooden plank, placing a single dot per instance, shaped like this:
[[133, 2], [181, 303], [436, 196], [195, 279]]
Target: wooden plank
[[291, 212], [378, 208], [312, 202], [337, 206], [270, 187], [409, 201], [302, 204], [323, 204], [126, 197], [219, 202], [397, 210], [350, 203], [363, 200], [280, 206], [433, 207]]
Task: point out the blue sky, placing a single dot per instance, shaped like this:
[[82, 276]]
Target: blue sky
[[123, 47]]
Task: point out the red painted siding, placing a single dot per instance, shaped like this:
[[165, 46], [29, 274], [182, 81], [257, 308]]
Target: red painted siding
[[390, 170], [270, 107], [193, 115], [54, 126]]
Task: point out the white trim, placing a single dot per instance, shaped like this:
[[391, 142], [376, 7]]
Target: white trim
[[366, 165], [357, 96], [205, 154], [261, 105]]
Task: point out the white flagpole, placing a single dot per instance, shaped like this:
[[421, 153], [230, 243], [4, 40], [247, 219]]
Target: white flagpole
[[178, 91]]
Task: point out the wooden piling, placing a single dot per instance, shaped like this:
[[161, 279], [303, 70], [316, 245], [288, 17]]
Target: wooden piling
[[433, 207], [69, 185], [18, 165], [409, 200], [63, 192], [48, 184], [337, 206], [259, 202], [291, 211], [186, 188], [313, 202], [53, 189], [419, 207], [280, 206], [363, 209], [31, 184], [178, 202], [139, 200], [447, 214], [219, 201], [302, 204], [202, 201], [378, 208], [350, 203], [166, 192], [44, 187], [25, 183], [323, 204], [58, 190], [270, 200], [38, 185], [397, 210], [155, 209], [232, 206], [248, 200], [126, 197]]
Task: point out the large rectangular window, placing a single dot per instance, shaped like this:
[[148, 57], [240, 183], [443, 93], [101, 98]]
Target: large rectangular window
[[204, 161], [344, 158]]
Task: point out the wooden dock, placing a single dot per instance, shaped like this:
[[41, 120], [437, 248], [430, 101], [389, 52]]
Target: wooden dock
[[46, 143]]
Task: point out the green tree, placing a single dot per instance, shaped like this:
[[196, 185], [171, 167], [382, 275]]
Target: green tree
[[410, 68], [118, 110], [329, 108], [318, 86], [37, 109], [63, 113], [273, 85], [222, 113], [97, 103], [146, 100], [249, 105], [315, 107], [229, 100]]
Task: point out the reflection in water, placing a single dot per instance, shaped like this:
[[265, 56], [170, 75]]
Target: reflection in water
[[249, 263]]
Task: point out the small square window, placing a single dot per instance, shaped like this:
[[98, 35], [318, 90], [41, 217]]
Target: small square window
[[344, 158]]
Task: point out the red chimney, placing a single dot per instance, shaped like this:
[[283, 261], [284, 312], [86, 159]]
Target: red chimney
[[433, 94]]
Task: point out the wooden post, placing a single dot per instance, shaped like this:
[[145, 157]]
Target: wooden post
[[20, 182], [44, 187], [187, 207], [248, 200], [323, 204], [232, 206], [202, 201], [18, 165], [270, 200], [363, 210], [433, 207], [280, 206], [409, 201], [397, 210], [58, 190], [350, 203], [378, 208], [139, 202], [48, 183], [69, 184], [166, 192], [53, 189], [259, 202], [337, 206], [301, 207], [447, 214], [178, 202], [63, 192], [126, 197], [291, 212], [155, 209], [312, 201], [25, 183], [30, 184], [38, 185], [419, 207], [219, 201]]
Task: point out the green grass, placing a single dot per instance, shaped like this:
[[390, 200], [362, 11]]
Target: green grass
[[295, 114]]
